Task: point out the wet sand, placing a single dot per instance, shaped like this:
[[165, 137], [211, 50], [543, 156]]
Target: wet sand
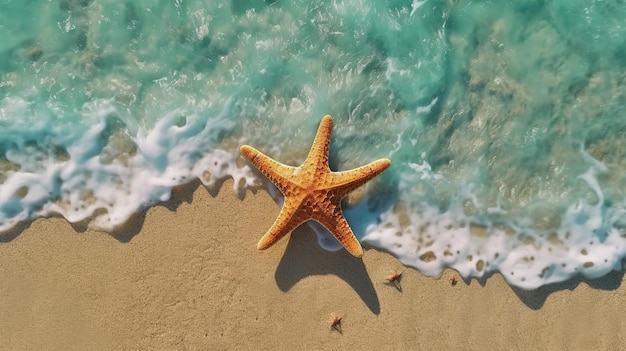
[[187, 275]]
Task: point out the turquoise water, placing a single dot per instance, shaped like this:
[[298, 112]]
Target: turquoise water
[[503, 119]]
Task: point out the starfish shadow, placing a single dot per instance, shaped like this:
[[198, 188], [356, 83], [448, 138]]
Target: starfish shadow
[[304, 257]]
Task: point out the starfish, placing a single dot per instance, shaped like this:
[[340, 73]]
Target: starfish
[[313, 191]]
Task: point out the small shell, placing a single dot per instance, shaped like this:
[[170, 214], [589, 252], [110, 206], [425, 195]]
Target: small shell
[[335, 323], [394, 278]]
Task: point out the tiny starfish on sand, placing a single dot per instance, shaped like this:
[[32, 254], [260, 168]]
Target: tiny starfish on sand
[[313, 191]]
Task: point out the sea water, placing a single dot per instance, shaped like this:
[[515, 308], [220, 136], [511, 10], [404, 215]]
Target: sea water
[[505, 121]]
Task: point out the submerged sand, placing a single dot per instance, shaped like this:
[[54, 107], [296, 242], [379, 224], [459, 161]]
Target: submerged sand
[[187, 275]]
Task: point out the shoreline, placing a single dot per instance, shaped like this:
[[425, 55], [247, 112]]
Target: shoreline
[[186, 274]]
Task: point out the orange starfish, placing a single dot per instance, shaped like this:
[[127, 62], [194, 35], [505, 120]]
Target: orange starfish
[[313, 191]]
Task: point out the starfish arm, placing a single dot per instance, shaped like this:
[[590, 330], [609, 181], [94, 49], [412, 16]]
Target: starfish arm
[[288, 219], [352, 179], [336, 223], [318, 156], [274, 171]]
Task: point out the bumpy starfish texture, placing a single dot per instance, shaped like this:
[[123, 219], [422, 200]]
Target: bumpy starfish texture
[[313, 191]]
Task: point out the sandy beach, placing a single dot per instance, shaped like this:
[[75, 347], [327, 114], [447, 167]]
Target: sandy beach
[[186, 275]]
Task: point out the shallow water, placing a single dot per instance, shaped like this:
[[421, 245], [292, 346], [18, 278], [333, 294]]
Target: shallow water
[[503, 119]]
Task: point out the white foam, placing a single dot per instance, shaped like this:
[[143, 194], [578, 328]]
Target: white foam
[[82, 187], [585, 242]]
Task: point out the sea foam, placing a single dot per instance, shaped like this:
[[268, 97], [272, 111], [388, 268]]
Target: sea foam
[[586, 240], [105, 178]]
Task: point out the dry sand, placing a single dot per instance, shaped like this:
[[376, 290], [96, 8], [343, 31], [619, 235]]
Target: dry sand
[[187, 275]]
